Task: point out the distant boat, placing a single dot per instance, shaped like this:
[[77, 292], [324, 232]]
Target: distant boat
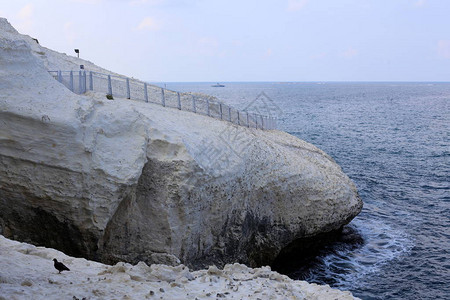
[[218, 85]]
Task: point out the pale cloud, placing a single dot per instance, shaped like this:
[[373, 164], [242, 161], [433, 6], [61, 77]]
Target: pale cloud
[[208, 41], [208, 46], [444, 49], [419, 3], [237, 43], [149, 24], [70, 33], [295, 5], [26, 12], [150, 2], [349, 53], [25, 15], [268, 53], [87, 1], [318, 55]]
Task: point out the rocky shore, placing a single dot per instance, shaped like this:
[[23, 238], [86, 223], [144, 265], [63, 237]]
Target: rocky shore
[[26, 272]]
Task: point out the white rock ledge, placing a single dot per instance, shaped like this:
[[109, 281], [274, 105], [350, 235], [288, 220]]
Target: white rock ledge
[[26, 272], [129, 181]]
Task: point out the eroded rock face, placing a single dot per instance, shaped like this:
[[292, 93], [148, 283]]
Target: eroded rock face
[[130, 181]]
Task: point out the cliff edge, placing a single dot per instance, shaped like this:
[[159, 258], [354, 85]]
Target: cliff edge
[[129, 181]]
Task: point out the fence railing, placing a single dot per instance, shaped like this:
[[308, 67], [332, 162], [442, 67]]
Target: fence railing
[[80, 82]]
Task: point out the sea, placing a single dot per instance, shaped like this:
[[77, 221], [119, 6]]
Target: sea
[[393, 140]]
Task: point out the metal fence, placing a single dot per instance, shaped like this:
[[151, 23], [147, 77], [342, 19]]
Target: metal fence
[[80, 82]]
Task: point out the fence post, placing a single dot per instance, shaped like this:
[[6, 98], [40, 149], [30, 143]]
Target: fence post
[[256, 121], [128, 89], [145, 92], [239, 120], [193, 104], [163, 100], [80, 83], [220, 108], [71, 81], [207, 108], [109, 85], [262, 122], [59, 76], [84, 82], [91, 81], [248, 123], [179, 100], [229, 113]]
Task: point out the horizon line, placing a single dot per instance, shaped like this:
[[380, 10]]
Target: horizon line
[[306, 81]]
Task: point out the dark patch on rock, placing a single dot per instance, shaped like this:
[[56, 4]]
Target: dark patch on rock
[[302, 254], [37, 226], [246, 239], [29, 214]]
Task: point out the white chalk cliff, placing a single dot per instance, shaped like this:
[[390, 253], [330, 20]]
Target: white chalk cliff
[[130, 181]]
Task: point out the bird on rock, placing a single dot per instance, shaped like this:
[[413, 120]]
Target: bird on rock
[[60, 266]]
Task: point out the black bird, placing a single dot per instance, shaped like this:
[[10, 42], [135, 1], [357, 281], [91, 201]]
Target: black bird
[[60, 266]]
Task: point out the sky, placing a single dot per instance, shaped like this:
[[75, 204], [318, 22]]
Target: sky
[[247, 40]]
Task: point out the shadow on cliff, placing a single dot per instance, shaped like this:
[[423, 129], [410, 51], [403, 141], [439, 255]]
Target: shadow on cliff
[[42, 228], [303, 255]]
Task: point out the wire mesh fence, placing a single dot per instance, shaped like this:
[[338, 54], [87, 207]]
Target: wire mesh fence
[[80, 82]]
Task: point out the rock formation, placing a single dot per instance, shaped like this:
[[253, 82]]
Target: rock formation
[[131, 181], [26, 272]]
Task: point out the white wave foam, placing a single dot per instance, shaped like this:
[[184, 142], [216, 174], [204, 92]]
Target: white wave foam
[[350, 268]]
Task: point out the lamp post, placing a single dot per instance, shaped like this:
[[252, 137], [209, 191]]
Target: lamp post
[[77, 51]]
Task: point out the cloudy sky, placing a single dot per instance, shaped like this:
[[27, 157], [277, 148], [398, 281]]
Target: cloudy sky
[[247, 40]]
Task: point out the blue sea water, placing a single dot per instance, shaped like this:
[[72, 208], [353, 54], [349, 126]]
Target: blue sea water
[[393, 141]]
